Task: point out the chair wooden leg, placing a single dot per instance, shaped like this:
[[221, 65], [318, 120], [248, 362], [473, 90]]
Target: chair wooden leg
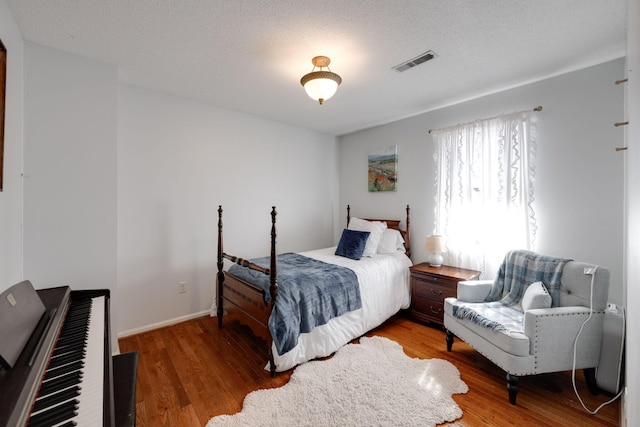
[[449, 339], [590, 379], [512, 386]]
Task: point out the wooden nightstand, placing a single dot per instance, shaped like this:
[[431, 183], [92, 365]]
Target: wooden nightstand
[[430, 286]]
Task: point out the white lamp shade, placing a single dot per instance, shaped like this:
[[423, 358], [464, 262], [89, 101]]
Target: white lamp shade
[[321, 88], [434, 244]]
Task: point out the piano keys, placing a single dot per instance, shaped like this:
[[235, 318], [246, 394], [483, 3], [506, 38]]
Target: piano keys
[[75, 365], [65, 374]]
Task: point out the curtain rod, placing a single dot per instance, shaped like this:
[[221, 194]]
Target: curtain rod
[[536, 109]]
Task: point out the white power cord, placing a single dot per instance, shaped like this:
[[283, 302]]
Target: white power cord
[[591, 271]]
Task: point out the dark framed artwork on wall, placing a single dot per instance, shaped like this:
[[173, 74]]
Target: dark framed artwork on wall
[[3, 86]]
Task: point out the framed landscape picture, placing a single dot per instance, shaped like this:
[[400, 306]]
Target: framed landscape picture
[[383, 169]]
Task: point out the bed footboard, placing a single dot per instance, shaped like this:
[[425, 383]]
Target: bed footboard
[[246, 302]]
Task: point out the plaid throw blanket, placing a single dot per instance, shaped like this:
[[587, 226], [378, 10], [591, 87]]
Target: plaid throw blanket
[[310, 293], [502, 309]]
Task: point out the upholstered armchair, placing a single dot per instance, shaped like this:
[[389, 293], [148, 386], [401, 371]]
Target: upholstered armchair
[[526, 320]]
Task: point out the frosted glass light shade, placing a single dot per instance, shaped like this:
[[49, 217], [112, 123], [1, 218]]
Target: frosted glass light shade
[[320, 85]]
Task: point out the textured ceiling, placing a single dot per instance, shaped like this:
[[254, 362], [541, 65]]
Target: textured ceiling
[[249, 55]]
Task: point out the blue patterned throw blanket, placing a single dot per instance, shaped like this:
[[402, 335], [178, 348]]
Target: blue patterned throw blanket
[[310, 293], [502, 309]]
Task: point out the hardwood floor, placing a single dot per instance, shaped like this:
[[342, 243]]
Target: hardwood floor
[[192, 371]]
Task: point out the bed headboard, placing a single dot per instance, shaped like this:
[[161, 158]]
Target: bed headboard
[[393, 224]]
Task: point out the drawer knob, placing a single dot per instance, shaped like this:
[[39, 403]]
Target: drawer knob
[[438, 311], [434, 292]]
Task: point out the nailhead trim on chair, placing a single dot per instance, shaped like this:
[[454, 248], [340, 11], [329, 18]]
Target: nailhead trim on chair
[[535, 342]]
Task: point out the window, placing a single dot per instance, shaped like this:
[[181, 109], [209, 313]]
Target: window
[[484, 190]]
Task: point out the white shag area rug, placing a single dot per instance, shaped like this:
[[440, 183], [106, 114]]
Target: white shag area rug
[[373, 383]]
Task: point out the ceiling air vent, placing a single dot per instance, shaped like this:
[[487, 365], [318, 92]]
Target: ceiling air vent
[[428, 55]]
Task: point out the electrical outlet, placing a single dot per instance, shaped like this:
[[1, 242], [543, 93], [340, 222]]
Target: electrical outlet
[[182, 287], [589, 270]]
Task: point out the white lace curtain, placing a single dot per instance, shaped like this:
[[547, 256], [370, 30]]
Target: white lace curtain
[[485, 174]]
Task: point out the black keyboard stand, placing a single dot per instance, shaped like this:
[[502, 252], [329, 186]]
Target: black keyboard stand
[[125, 370]]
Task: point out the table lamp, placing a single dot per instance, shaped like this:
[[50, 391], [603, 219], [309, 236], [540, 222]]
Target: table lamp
[[434, 247]]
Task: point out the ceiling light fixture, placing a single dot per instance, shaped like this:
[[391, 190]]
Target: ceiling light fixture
[[321, 85]]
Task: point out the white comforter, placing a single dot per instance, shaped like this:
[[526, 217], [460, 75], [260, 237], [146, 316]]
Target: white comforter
[[384, 289]]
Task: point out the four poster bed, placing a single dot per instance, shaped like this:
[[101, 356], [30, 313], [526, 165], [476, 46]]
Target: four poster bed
[[310, 304]]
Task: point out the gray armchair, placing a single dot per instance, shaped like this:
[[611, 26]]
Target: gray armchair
[[529, 328]]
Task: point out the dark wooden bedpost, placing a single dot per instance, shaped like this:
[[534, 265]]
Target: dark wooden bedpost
[[220, 275], [348, 215], [407, 239], [273, 271], [273, 283]]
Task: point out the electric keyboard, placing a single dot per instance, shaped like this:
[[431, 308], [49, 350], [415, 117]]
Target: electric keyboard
[[65, 373]]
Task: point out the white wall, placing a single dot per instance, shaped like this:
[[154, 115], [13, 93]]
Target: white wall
[[70, 171], [11, 196], [631, 410], [177, 161], [131, 206], [579, 184]]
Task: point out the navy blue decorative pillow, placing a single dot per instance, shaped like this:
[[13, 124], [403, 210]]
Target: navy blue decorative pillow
[[352, 243]]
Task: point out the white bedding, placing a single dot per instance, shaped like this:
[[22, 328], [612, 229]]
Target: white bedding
[[384, 289]]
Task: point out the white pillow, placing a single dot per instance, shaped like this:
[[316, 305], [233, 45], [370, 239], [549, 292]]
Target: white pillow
[[391, 242], [536, 296], [376, 228]]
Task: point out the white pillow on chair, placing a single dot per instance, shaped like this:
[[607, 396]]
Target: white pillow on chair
[[536, 296]]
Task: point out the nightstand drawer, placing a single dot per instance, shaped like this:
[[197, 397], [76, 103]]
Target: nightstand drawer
[[434, 279], [429, 308], [430, 286], [430, 290]]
